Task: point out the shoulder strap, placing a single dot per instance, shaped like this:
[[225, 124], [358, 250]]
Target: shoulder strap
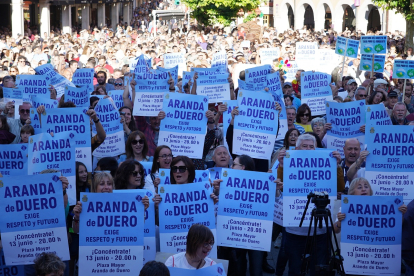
[[173, 260]]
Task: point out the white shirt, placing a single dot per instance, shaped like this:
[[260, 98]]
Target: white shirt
[[149, 184], [180, 261]]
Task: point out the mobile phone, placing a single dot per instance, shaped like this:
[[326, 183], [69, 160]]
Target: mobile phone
[[122, 113]]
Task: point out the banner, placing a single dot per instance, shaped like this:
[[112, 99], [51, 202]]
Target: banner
[[147, 167], [371, 235], [268, 55], [14, 95], [175, 59], [13, 159], [243, 218], [278, 210], [327, 60], [256, 125], [216, 88], [376, 115], [306, 55], [35, 120], [33, 218], [346, 47], [257, 76], [389, 166], [33, 85], [290, 74], [204, 72], [185, 124], [149, 94], [403, 69], [78, 96], [57, 153], [220, 61], [117, 97], [306, 173], [75, 120], [114, 143], [58, 81], [366, 63], [373, 44], [180, 208], [84, 78], [214, 270], [316, 91], [274, 85], [227, 118], [149, 224], [41, 100], [140, 65], [346, 119], [111, 238], [173, 71], [243, 86], [15, 270]]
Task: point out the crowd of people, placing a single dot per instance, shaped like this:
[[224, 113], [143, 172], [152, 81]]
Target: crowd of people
[[109, 52]]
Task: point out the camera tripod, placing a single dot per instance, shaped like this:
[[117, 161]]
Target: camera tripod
[[319, 215]]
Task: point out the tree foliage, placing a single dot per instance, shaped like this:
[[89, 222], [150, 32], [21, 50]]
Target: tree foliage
[[219, 11], [406, 8], [250, 17]]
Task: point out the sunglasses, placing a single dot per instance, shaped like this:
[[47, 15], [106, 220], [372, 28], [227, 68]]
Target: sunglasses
[[24, 111], [363, 96], [117, 84], [134, 142], [181, 169], [305, 115], [135, 173]]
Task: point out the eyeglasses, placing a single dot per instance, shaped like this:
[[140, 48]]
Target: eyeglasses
[[235, 164], [22, 61], [24, 111], [181, 169], [117, 84], [134, 142], [208, 244], [305, 115], [165, 156], [135, 173], [362, 95]]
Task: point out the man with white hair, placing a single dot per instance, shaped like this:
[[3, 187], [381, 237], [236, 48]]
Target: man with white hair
[[399, 113], [380, 83], [295, 237]]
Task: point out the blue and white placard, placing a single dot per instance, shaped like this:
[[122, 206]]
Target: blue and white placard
[[58, 81], [33, 85], [268, 55], [315, 91], [78, 96], [13, 159], [84, 78], [373, 44], [403, 69], [216, 88], [376, 115]]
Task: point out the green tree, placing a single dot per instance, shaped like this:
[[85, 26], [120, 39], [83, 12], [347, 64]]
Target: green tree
[[406, 8], [250, 17], [219, 11]]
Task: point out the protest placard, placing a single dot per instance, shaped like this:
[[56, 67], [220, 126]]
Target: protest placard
[[278, 210], [373, 44], [227, 118], [403, 69], [149, 224], [175, 59], [214, 270], [75, 120], [389, 166], [84, 78], [367, 61], [256, 125], [244, 216], [140, 65], [149, 94], [306, 55], [78, 96], [346, 47], [42, 100], [181, 207], [35, 121], [14, 95], [306, 172], [33, 218], [220, 61], [173, 71], [13, 159], [117, 97], [111, 238], [238, 68], [346, 119], [33, 85], [376, 115], [274, 85], [109, 117], [147, 167], [268, 55], [58, 81], [216, 88], [371, 235], [291, 71], [327, 60], [316, 91], [256, 76], [55, 152], [13, 270], [185, 124], [200, 176]]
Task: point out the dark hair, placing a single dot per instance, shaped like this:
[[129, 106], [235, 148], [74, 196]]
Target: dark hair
[[196, 237], [155, 163], [286, 140], [108, 164], [92, 100], [67, 104], [27, 128], [247, 162], [301, 110], [190, 168], [288, 96], [124, 172], [102, 72], [95, 92], [4, 124], [154, 268], [47, 263], [80, 186], [128, 145], [318, 139], [371, 98], [132, 126]]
